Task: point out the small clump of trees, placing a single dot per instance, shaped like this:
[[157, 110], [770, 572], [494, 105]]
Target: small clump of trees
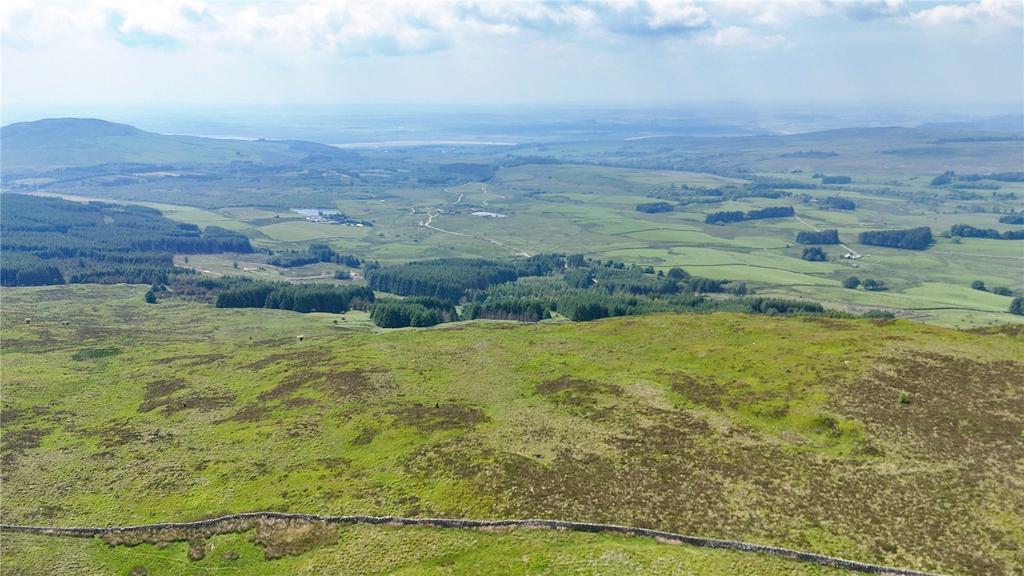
[[968, 231], [830, 236], [837, 203], [314, 254], [1017, 306], [910, 239], [730, 216], [814, 254], [654, 207]]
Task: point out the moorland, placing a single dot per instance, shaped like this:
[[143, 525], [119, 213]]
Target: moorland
[[805, 340]]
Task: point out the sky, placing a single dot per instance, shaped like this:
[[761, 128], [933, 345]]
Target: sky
[[657, 52]]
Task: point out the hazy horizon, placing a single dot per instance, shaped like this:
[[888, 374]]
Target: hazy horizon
[[965, 57]]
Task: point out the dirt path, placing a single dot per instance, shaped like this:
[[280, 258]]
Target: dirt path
[[230, 523], [435, 212]]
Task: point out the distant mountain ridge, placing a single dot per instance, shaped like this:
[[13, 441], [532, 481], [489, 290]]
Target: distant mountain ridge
[[68, 128], [55, 143]]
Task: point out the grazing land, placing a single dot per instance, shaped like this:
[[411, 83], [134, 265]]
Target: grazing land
[[582, 198], [827, 435], [882, 423]]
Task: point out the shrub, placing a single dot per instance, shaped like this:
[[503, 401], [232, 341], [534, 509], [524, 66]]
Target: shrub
[[852, 283], [1017, 306], [978, 285], [814, 254], [873, 285]]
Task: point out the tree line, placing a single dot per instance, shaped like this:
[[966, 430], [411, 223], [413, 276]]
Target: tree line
[[316, 253], [910, 239], [830, 236], [53, 241], [730, 216], [241, 293], [968, 231]]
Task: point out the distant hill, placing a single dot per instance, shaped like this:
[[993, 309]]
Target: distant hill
[[1005, 123], [54, 143]]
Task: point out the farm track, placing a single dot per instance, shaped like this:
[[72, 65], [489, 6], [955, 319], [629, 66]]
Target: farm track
[[210, 527], [429, 223]]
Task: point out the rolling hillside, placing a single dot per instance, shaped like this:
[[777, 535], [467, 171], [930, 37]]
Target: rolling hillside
[[879, 441], [55, 143]]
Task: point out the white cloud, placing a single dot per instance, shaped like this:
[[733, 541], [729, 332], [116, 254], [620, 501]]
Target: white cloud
[[731, 36], [998, 12], [866, 10]]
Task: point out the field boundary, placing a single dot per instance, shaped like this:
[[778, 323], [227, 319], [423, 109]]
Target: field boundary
[[659, 535]]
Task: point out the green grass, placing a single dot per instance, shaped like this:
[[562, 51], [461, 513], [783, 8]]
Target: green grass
[[591, 209], [783, 431], [389, 550]]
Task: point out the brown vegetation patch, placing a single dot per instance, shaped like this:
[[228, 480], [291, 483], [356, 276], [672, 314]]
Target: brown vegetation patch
[[586, 398], [196, 401], [955, 407], [671, 470], [280, 537], [298, 402], [366, 435], [830, 323], [118, 433], [16, 442], [190, 360], [9, 414], [698, 390], [161, 388], [346, 383], [439, 417], [339, 384], [248, 413]]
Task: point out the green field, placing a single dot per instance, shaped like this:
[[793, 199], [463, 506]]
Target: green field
[[590, 210], [782, 431], [580, 197]]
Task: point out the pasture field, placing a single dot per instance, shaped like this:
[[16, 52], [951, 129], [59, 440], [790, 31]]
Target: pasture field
[[586, 207], [781, 431]]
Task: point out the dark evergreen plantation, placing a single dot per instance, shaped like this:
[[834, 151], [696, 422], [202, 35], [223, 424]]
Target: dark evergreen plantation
[[50, 241], [912, 239], [737, 216], [968, 231], [822, 237]]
